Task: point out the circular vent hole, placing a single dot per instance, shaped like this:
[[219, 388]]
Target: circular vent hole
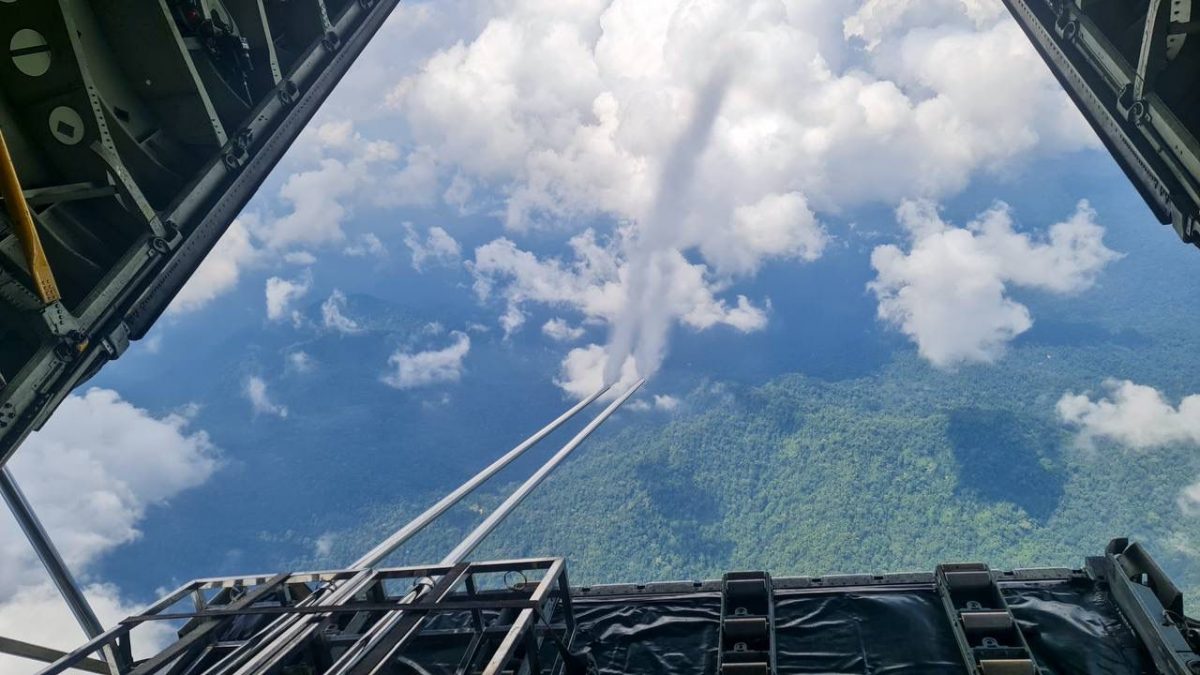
[[30, 52], [66, 125]]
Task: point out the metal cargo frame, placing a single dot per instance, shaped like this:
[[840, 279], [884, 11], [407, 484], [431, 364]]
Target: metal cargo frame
[[1149, 127], [510, 639], [75, 337], [530, 622]]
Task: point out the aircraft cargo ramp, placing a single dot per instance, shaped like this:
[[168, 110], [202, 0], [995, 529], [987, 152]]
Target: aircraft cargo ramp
[[134, 132], [521, 616]]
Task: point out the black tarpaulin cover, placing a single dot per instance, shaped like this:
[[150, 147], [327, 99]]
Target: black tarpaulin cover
[[666, 635], [1073, 628], [895, 633]]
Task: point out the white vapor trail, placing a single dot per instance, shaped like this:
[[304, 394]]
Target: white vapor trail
[[642, 327]]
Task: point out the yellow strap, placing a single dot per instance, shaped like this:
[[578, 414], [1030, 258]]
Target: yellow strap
[[18, 211]]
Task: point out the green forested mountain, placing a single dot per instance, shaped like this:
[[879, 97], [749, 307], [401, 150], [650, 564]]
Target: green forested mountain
[[893, 472]]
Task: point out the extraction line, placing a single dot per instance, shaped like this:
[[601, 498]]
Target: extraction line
[[290, 630], [385, 547], [350, 661], [485, 528]]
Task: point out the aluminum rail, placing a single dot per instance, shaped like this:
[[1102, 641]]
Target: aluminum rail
[[34, 652], [289, 631], [53, 562], [492, 521], [350, 660], [385, 547]]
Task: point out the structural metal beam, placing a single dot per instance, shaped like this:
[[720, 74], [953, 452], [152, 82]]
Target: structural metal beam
[[398, 538], [48, 554], [289, 632], [350, 664]]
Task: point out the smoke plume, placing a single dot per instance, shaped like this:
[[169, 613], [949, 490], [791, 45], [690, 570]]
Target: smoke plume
[[644, 323]]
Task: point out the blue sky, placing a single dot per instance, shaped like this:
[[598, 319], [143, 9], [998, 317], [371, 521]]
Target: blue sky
[[559, 193]]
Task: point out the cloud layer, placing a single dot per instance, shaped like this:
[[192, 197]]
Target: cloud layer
[[92, 473], [950, 291], [678, 145], [255, 391], [1138, 417], [437, 247], [418, 369], [281, 293], [219, 272], [713, 132], [575, 111], [1134, 415]]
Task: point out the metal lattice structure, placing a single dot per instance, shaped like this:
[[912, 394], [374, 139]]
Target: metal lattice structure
[[229, 620], [1133, 69], [1117, 615], [136, 132]]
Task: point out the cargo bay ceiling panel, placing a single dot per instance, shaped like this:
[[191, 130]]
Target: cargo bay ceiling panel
[[1133, 68], [136, 132]]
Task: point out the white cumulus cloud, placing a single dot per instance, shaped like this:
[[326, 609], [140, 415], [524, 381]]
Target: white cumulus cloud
[[582, 372], [1189, 499], [333, 314], [300, 362], [875, 20], [437, 247], [1134, 415], [281, 293], [666, 402], [318, 199], [418, 369], [366, 245], [711, 134], [317, 209], [571, 110], [594, 282], [92, 473], [949, 291], [1138, 417], [562, 331], [775, 226], [255, 391], [323, 545], [660, 402], [218, 273]]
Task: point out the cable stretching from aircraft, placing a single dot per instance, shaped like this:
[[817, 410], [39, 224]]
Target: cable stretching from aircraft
[[290, 632]]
